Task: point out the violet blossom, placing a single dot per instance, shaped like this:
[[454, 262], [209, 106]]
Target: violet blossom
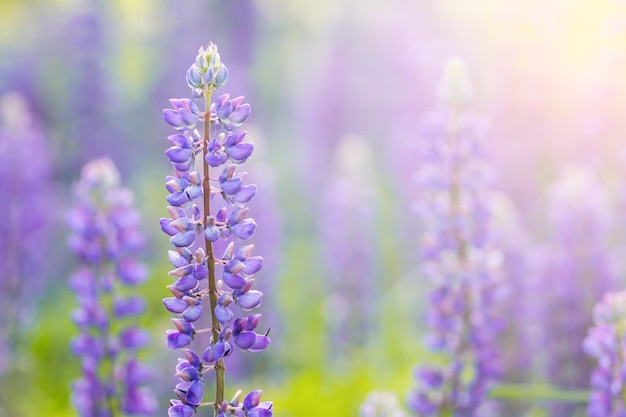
[[605, 344], [29, 203], [577, 268], [193, 232], [458, 257], [105, 238]]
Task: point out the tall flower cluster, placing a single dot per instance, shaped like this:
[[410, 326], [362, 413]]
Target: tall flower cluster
[[458, 257], [349, 203], [105, 237], [28, 204], [606, 344], [194, 229], [576, 270]]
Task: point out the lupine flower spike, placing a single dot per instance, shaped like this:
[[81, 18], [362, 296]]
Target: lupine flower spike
[[221, 145], [458, 258], [105, 238], [605, 343]]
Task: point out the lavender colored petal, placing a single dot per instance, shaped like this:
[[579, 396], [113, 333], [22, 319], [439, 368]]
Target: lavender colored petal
[[250, 300], [234, 281], [175, 305], [177, 340], [240, 152], [253, 265], [260, 343]]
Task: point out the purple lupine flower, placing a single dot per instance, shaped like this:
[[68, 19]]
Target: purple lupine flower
[[28, 205], [221, 145], [105, 237], [605, 344], [458, 257], [576, 269], [349, 203]]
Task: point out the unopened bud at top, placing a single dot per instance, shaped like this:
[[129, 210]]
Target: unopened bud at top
[[207, 71]]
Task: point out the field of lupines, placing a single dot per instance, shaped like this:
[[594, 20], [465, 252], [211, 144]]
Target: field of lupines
[[417, 210]]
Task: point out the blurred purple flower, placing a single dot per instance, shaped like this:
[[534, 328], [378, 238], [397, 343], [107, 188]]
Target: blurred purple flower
[[458, 256], [105, 237], [348, 231], [605, 344], [576, 269], [29, 204]]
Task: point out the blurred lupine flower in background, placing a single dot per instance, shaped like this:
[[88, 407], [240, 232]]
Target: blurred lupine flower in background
[[381, 404], [28, 204], [605, 344], [577, 270], [105, 239], [349, 250], [458, 257], [222, 145]]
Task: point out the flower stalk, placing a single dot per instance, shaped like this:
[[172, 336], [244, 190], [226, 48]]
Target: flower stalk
[[222, 145]]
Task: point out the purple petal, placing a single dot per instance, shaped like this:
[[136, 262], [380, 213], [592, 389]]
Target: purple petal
[[234, 138], [212, 233], [181, 141], [165, 226], [177, 340], [179, 409], [188, 118], [193, 313], [252, 399], [234, 266], [219, 350], [175, 305], [260, 412], [245, 229], [177, 199], [200, 272], [208, 354], [178, 259], [230, 187], [245, 194], [223, 314], [215, 159], [253, 265], [225, 110], [245, 340], [260, 343], [240, 152], [195, 392], [240, 115], [250, 300], [183, 239], [236, 282], [173, 118], [185, 283], [176, 154]]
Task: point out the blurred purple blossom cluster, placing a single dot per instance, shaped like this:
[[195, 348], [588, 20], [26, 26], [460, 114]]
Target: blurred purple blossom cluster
[[28, 206], [460, 260], [605, 344], [193, 231], [105, 239]]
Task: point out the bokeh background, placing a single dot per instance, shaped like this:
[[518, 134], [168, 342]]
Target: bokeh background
[[337, 90]]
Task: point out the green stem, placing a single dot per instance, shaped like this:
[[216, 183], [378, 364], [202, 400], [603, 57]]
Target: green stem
[[213, 296]]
